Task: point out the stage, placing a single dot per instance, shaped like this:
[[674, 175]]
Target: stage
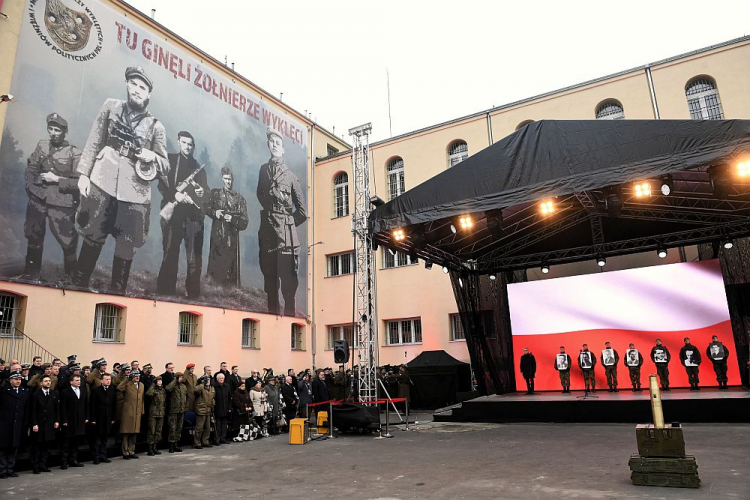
[[680, 405]]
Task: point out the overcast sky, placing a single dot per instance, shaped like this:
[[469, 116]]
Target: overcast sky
[[445, 58]]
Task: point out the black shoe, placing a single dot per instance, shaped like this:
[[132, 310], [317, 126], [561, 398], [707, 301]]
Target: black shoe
[[617, 390], [12, 474], [132, 457], [666, 389], [76, 464], [697, 388], [45, 469], [171, 447], [64, 467], [208, 446], [3, 475], [126, 457], [36, 471], [105, 460], [95, 461], [197, 447], [156, 452], [150, 453], [177, 449], [120, 274]]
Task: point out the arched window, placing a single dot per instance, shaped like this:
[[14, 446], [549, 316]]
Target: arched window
[[189, 328], [108, 322], [396, 186], [250, 332], [703, 99], [610, 110], [458, 151], [341, 195], [523, 124], [10, 304]]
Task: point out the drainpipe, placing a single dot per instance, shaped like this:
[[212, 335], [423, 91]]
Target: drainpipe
[[489, 129], [313, 336], [652, 92]]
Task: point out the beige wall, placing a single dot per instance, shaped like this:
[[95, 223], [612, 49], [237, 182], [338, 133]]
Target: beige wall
[[10, 30]]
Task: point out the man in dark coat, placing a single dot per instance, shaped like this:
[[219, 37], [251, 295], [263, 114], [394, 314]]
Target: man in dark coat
[[102, 417], [73, 419], [320, 390], [690, 356], [235, 380], [44, 420], [222, 407], [13, 404], [528, 369], [289, 393]]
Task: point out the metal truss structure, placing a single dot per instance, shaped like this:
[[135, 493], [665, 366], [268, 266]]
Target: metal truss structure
[[366, 335]]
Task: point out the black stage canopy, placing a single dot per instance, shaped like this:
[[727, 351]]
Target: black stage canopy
[[437, 377], [588, 169]]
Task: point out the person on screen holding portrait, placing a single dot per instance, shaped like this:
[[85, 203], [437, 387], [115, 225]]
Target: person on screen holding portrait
[[283, 209], [718, 354], [587, 362], [562, 365], [690, 357], [126, 144], [634, 360], [610, 358], [228, 210], [660, 356]]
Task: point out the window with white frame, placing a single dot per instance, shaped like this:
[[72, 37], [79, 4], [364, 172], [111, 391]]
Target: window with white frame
[[107, 323], [610, 110], [341, 195], [457, 152], [397, 259], [703, 99], [9, 305], [188, 334], [457, 329], [341, 264], [404, 331], [298, 337], [250, 333], [340, 332], [396, 186]]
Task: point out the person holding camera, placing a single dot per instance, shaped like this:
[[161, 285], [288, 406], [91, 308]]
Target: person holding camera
[[204, 405]]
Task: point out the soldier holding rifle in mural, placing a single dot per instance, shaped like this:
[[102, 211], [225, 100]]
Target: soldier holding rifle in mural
[[281, 196], [125, 151], [184, 193], [228, 210], [52, 186]]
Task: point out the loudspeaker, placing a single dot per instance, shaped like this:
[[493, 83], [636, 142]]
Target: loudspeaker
[[340, 351]]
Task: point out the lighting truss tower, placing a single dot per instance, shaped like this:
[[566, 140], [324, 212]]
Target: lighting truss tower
[[366, 336]]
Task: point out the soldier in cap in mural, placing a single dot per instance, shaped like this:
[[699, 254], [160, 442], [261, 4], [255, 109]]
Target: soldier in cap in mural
[[125, 151], [283, 201], [52, 186], [184, 194], [228, 210]]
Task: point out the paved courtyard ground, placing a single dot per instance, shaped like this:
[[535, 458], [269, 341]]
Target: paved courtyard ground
[[433, 461]]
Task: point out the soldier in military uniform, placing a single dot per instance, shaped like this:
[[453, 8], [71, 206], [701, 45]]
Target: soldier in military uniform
[[610, 358], [587, 362], [283, 201], [126, 149], [178, 401], [204, 405], [228, 210], [634, 360], [185, 222], [661, 357], [52, 186], [718, 354], [156, 412]]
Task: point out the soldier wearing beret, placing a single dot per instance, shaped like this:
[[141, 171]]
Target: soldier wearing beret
[[52, 187], [283, 209], [13, 404], [125, 150]]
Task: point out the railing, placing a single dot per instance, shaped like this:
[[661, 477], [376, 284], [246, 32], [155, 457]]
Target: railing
[[23, 348]]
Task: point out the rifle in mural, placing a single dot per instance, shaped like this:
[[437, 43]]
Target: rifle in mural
[[167, 212]]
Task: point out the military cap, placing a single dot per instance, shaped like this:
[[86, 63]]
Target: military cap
[[125, 366], [148, 367], [58, 120], [101, 362], [2, 361], [75, 367], [86, 367], [178, 375], [135, 373], [46, 365], [138, 72], [158, 377], [16, 374], [72, 357], [272, 131], [25, 366]]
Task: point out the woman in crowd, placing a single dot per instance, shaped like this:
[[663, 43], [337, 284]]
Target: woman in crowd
[[243, 407], [260, 405]]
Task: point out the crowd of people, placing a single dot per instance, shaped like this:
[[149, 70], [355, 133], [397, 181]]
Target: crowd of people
[[47, 406], [690, 359]]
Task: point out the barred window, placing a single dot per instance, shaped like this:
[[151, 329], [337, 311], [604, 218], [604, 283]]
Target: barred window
[[107, 323], [404, 331], [341, 264], [341, 195], [298, 337], [703, 99], [341, 332], [331, 150], [457, 329], [188, 334], [457, 152], [9, 305], [610, 110], [396, 186], [250, 333], [398, 259]]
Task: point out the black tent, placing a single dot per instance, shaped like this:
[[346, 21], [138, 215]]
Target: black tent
[[437, 377]]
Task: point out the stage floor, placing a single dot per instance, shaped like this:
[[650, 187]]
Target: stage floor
[[680, 405]]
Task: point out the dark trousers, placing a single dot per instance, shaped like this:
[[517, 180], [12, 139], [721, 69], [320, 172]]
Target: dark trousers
[[98, 446], [7, 460], [280, 268], [39, 454], [565, 379], [720, 369], [221, 428], [662, 369], [69, 448], [61, 223], [692, 373], [290, 412], [635, 376], [611, 373], [589, 380], [173, 234], [529, 384], [175, 427]]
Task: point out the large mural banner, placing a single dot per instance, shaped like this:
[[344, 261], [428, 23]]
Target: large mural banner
[[130, 166]]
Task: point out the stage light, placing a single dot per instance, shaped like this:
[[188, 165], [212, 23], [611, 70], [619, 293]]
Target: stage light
[[446, 270], [493, 277], [466, 222], [398, 234], [721, 182], [545, 269], [427, 264], [728, 244], [453, 229], [547, 207], [601, 261], [743, 168], [667, 185], [613, 200], [376, 201], [642, 189], [662, 253]]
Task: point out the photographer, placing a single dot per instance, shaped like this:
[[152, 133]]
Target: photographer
[[204, 405]]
